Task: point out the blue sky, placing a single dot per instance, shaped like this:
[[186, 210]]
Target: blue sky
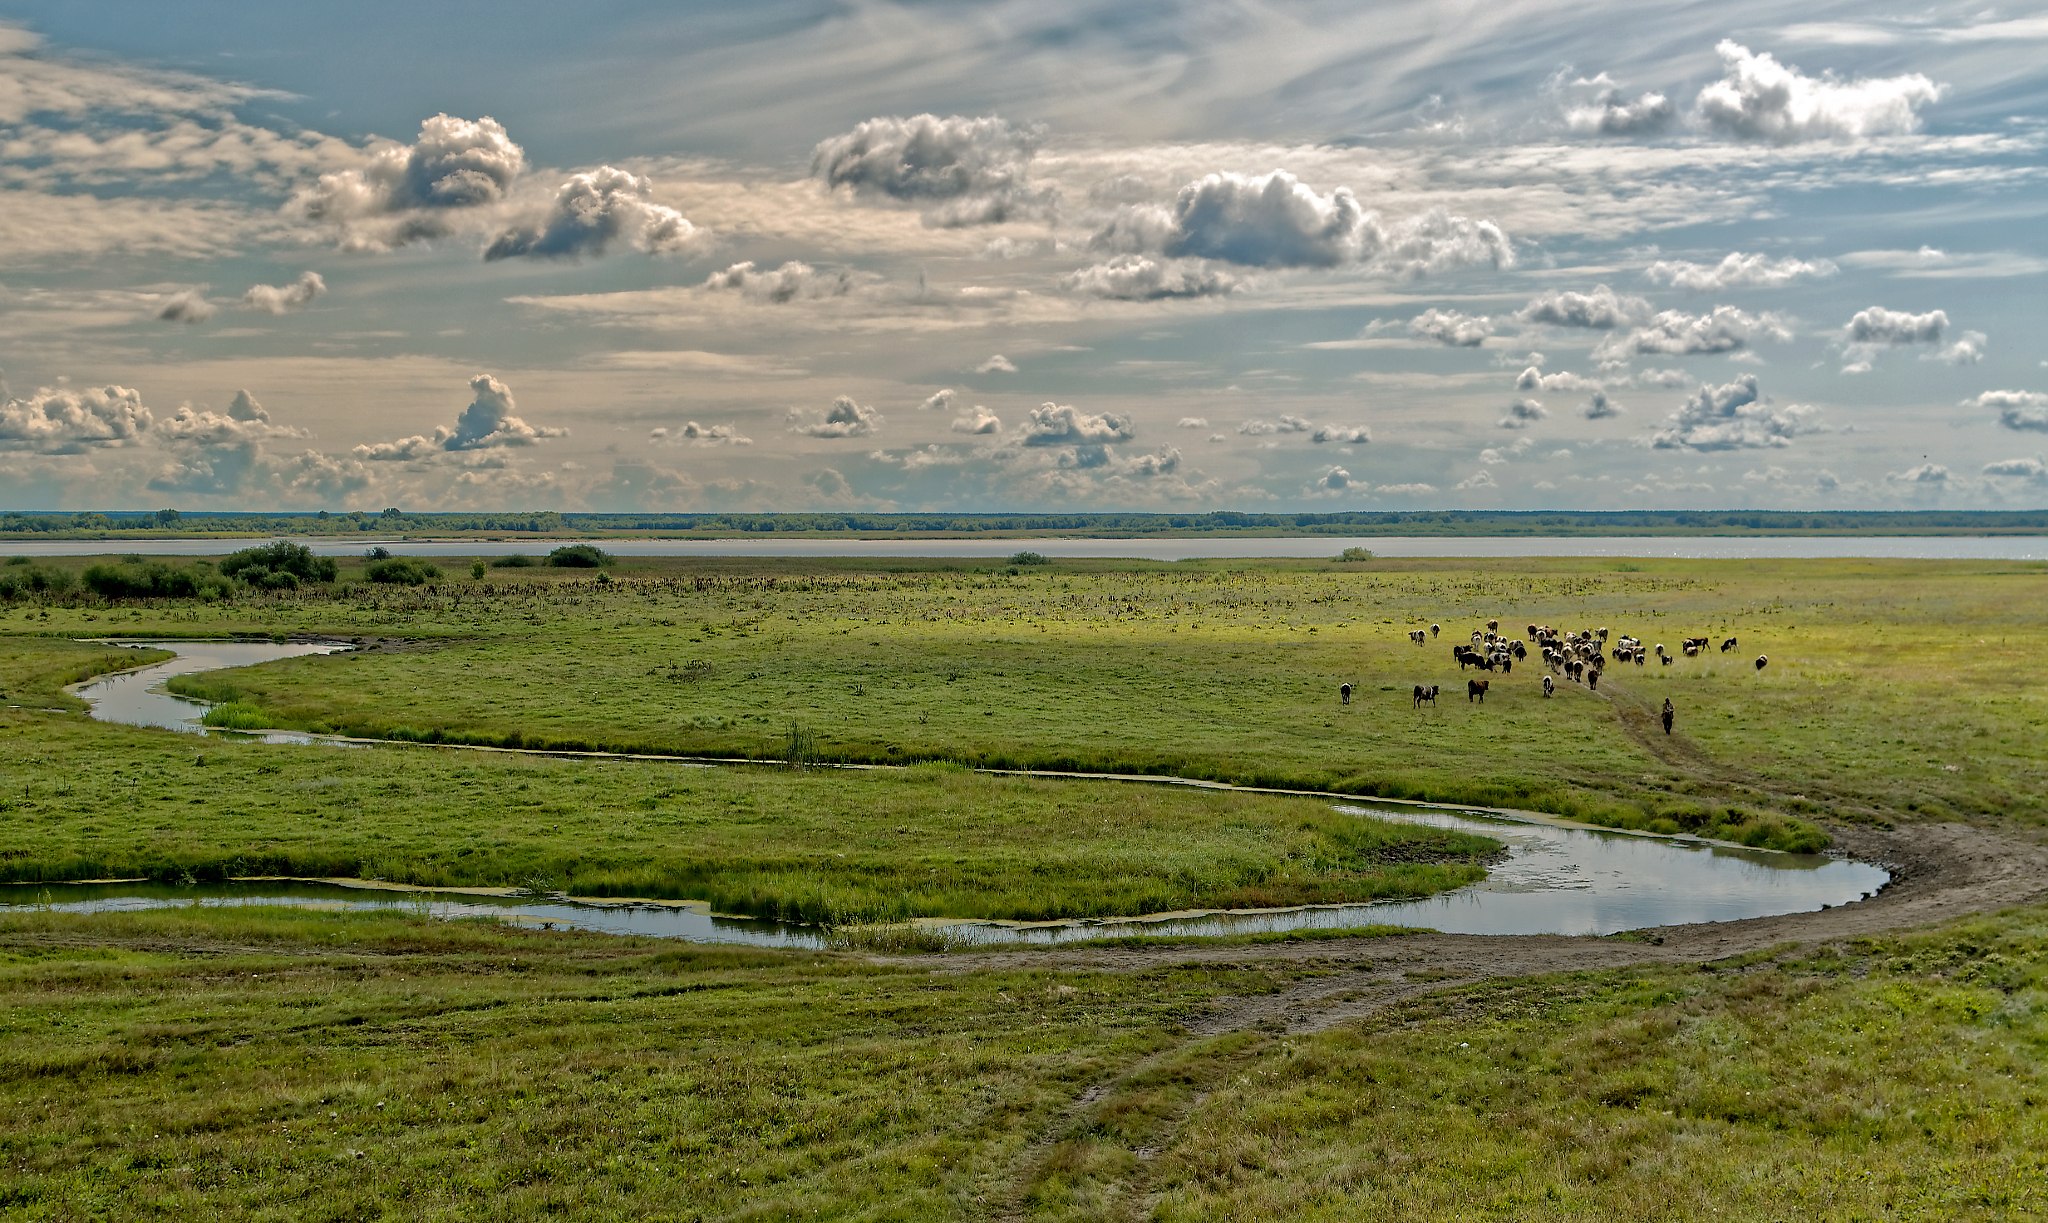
[[1023, 255]]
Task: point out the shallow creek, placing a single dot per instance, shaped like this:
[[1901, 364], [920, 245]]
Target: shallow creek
[[1557, 878]]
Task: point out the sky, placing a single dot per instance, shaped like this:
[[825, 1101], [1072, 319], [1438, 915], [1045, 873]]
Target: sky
[[1023, 255]]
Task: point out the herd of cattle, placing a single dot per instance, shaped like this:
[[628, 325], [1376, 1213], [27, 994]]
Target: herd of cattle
[[1580, 656]]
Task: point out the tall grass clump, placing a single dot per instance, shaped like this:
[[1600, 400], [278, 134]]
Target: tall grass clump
[[402, 571], [236, 715]]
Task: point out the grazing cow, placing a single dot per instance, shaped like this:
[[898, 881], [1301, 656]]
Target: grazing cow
[[1417, 636], [1493, 626], [1665, 659], [1532, 632], [1344, 693], [1549, 686], [1477, 636], [1427, 693], [1669, 715], [1593, 679], [1694, 645], [1728, 646], [1692, 649], [1434, 629], [1761, 660], [1475, 690]]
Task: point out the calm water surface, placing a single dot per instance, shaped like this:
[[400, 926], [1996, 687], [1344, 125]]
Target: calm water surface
[[1556, 879], [1158, 548]]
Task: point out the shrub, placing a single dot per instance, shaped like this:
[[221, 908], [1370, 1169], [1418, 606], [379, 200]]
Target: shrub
[[579, 556], [402, 571], [476, 569], [156, 580], [378, 553], [1030, 558], [515, 561], [1355, 554], [20, 583], [282, 556]]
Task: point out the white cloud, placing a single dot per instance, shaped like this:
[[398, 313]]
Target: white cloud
[[1451, 328], [1607, 113], [692, 433], [1333, 480], [793, 281], [64, 420], [1924, 474], [2033, 469], [1534, 379], [188, 306], [1676, 333], [1522, 413], [410, 193], [1478, 479], [1759, 98], [1736, 270], [1733, 416], [940, 400], [1877, 325], [1669, 379], [1142, 278], [1275, 220], [1967, 350], [997, 364], [965, 171], [844, 418], [285, 298], [1602, 309], [1600, 407], [591, 212], [2016, 409], [1288, 423], [977, 421], [1058, 424], [1347, 435], [1192, 422], [488, 423]]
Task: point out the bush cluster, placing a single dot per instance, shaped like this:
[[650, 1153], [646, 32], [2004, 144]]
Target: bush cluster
[[22, 580], [402, 571], [579, 556], [156, 580], [278, 566]]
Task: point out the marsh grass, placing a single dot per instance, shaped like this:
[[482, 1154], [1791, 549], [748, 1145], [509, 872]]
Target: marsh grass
[[87, 800], [234, 1063], [235, 715]]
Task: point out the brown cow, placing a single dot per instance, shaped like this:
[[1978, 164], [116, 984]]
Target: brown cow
[[1475, 690], [1669, 715]]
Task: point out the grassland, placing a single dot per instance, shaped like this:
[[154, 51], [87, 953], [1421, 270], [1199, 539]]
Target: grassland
[[275, 1064], [86, 801], [320, 1066], [1894, 687]]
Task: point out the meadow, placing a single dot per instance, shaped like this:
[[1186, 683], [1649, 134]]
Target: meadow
[[283, 1064]]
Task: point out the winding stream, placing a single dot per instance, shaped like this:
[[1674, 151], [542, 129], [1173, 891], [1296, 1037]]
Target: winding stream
[[1557, 878]]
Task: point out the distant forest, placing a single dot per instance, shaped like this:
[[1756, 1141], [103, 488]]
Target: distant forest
[[169, 524]]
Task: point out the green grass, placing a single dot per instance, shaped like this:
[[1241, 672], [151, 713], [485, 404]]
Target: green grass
[[273, 1064], [83, 801], [235, 715]]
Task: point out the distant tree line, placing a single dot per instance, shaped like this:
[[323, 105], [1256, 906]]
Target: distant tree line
[[396, 522]]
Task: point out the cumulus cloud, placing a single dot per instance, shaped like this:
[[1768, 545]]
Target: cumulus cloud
[[411, 193], [1478, 479], [189, 306], [1451, 328], [793, 281], [1534, 379], [1522, 413], [1608, 113], [1602, 309], [488, 423], [2016, 409], [1288, 423], [1670, 379], [285, 298], [1192, 422], [1878, 325], [965, 171], [976, 421], [592, 212], [940, 400], [844, 418], [66, 420], [1600, 407], [1736, 270], [2033, 469], [1967, 350], [245, 422], [997, 364], [1142, 278], [1333, 480], [1733, 416], [692, 433], [1759, 98], [1676, 333], [1059, 424], [1275, 220], [1925, 474], [1346, 435]]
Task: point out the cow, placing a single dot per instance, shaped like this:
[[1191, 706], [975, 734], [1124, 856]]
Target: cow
[[1669, 715], [1593, 679], [1665, 659], [1728, 646], [1762, 660], [1344, 693], [1426, 693], [1434, 629], [1418, 636], [1493, 626], [1475, 690], [1549, 686]]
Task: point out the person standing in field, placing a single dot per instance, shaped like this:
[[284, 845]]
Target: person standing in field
[[1669, 715]]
